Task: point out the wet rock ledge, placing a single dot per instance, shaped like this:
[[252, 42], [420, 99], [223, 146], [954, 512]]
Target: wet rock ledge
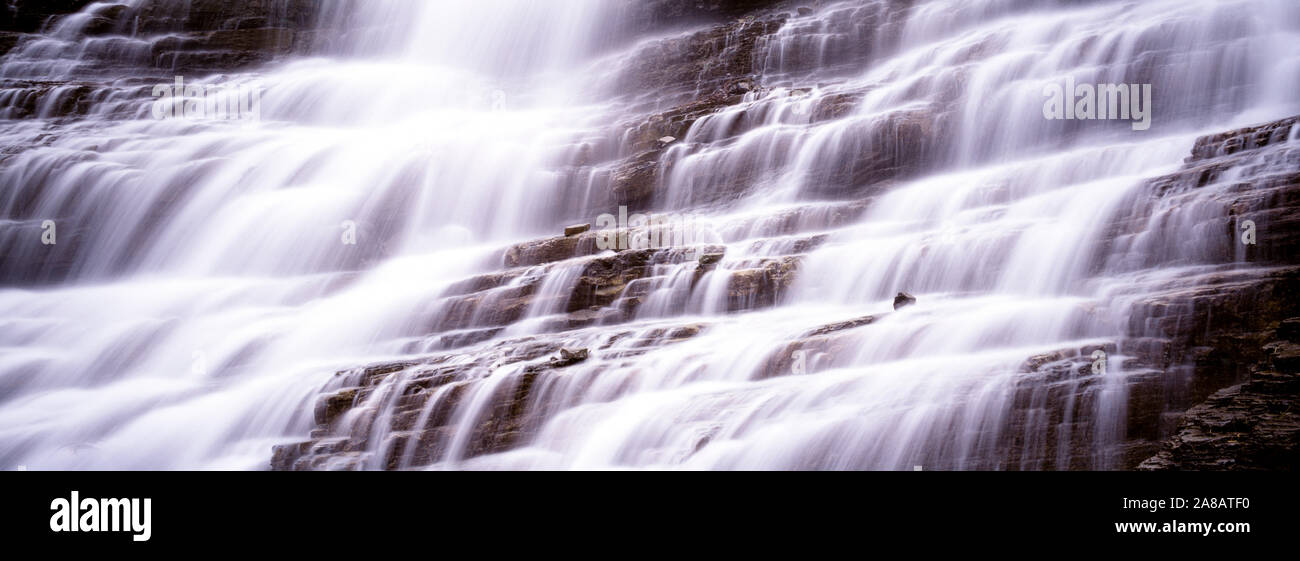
[[1254, 425], [192, 37]]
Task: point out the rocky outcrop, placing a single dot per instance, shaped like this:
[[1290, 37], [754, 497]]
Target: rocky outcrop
[[550, 250], [1210, 341], [1215, 343], [1240, 140], [1249, 426], [763, 285]]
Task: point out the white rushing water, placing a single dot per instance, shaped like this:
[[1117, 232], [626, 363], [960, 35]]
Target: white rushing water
[[200, 296]]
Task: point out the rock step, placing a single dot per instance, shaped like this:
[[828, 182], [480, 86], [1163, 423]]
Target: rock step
[[1250, 426], [426, 396]]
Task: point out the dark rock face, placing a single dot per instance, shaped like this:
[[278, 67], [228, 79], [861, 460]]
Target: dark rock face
[[191, 38], [149, 43], [8, 39], [1249, 426], [28, 16], [213, 15], [225, 49], [1222, 339], [651, 14]]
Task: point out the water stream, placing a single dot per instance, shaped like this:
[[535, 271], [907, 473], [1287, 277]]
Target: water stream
[[200, 297]]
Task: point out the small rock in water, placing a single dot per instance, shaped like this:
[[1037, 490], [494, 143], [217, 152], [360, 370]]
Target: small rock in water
[[740, 88], [576, 229], [569, 357], [903, 300], [667, 140]]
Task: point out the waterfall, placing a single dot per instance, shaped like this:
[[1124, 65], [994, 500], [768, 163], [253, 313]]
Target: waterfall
[[213, 279]]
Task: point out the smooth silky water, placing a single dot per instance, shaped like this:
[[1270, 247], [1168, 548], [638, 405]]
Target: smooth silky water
[[211, 301]]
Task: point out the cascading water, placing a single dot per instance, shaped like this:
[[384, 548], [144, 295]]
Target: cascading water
[[202, 296]]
